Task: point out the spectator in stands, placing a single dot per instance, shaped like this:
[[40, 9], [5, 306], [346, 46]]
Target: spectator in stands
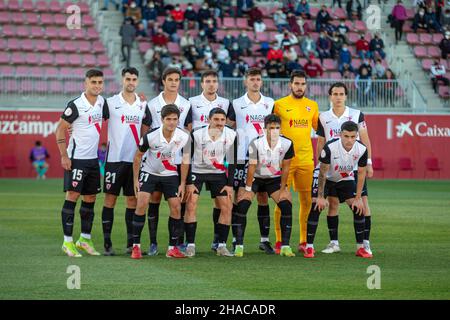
[[255, 14], [244, 43], [439, 5], [312, 69], [336, 45], [178, 16], [438, 75], [222, 53], [170, 27], [226, 68], [193, 55], [235, 51], [273, 68], [134, 12], [203, 15], [280, 20], [286, 39], [229, 40], [376, 47], [190, 18], [362, 48], [308, 46], [244, 7], [175, 63], [347, 71], [201, 40], [38, 156], [338, 2], [399, 16], [444, 45], [303, 26], [275, 53], [290, 54], [345, 58], [160, 38], [354, 8], [379, 70], [363, 84], [224, 6], [293, 65], [323, 18], [128, 34], [432, 20], [303, 10], [242, 66], [149, 14], [141, 32], [420, 21], [259, 26], [210, 31], [343, 30], [293, 25], [155, 70], [106, 4], [264, 49], [390, 87], [186, 41], [288, 5], [323, 46], [365, 65]]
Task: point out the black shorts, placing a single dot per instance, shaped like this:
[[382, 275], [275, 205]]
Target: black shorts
[[168, 185], [315, 183], [343, 190], [240, 175], [269, 185], [364, 190], [118, 175], [84, 177], [214, 183]]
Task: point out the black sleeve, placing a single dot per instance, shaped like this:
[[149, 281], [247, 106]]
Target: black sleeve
[[320, 131], [232, 160], [147, 120], [70, 114], [325, 155], [362, 162], [105, 110], [188, 117], [290, 153], [143, 143], [361, 117], [231, 114]]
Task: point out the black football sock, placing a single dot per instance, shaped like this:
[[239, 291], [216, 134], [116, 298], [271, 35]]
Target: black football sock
[[129, 213], [138, 225], [87, 216], [190, 229], [367, 227], [107, 224], [313, 221], [216, 216], [153, 218], [285, 221], [264, 220], [333, 224], [67, 216]]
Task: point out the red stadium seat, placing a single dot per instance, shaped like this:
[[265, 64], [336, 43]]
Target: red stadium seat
[[4, 58], [378, 165], [242, 23], [412, 39], [103, 61], [426, 64], [17, 58], [270, 24], [70, 46], [27, 45], [37, 32], [92, 33], [437, 37], [426, 38], [420, 51], [41, 86], [47, 59], [14, 44], [51, 32], [360, 26], [98, 47], [37, 72], [5, 17], [88, 21], [27, 5], [65, 33], [31, 18], [41, 45], [55, 7], [56, 86], [405, 164], [262, 37], [57, 45], [13, 5], [432, 164], [340, 13], [41, 6], [60, 19], [89, 60], [23, 31], [60, 59], [444, 92], [51, 72], [9, 31], [434, 52], [22, 70], [229, 23], [32, 58], [83, 46], [7, 71], [74, 59], [174, 48], [47, 18]]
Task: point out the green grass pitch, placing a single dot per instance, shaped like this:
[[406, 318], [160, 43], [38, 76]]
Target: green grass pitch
[[410, 240]]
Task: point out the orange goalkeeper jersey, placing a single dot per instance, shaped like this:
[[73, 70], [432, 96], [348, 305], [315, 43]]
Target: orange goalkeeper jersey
[[298, 116]]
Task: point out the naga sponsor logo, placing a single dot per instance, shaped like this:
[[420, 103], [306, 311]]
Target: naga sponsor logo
[[130, 119], [420, 129], [43, 128], [343, 168], [95, 118], [298, 123], [335, 132], [255, 118], [204, 118], [164, 155]]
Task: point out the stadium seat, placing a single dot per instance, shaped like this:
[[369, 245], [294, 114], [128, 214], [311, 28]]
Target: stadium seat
[[434, 52], [57, 46], [444, 92], [17, 18], [83, 46], [17, 58], [340, 13], [174, 48], [9, 162], [60, 19], [4, 58], [32, 58], [47, 59], [51, 72], [41, 45], [98, 47], [27, 5], [242, 23], [55, 7], [437, 37], [51, 32], [31, 18], [27, 45], [46, 19], [14, 44], [432, 164], [103, 61], [74, 59], [405, 164], [229, 23], [41, 6], [412, 39], [7, 71], [13, 5], [4, 17], [8, 31], [56, 86], [270, 24], [420, 51], [360, 26], [426, 64], [23, 31], [37, 32], [60, 59], [89, 60], [377, 165], [70, 46], [426, 38]]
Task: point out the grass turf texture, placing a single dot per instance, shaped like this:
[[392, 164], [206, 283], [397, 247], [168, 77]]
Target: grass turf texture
[[410, 240]]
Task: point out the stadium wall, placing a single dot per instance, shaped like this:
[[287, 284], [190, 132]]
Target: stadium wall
[[393, 136]]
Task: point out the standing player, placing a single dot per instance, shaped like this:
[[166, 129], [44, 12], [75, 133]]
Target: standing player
[[247, 114], [129, 118], [201, 106], [82, 173], [330, 127], [298, 115], [338, 159], [171, 83], [159, 172], [211, 146], [269, 160]]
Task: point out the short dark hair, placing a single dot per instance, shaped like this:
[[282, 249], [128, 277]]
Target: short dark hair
[[337, 85], [170, 70], [253, 72], [216, 111], [271, 118], [94, 73], [38, 143], [170, 109], [297, 74], [130, 70], [209, 73], [349, 126]]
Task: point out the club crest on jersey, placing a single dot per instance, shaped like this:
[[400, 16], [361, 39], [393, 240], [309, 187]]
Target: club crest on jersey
[[266, 106], [355, 157], [74, 184], [308, 108], [349, 118], [108, 186]]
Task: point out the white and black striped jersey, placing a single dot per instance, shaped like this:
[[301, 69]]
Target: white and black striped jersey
[[86, 122], [159, 154], [268, 160], [208, 156], [249, 119], [329, 125], [342, 162], [201, 107], [156, 104], [124, 127]]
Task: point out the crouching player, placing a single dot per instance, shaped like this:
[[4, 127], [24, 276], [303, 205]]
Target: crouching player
[[269, 160], [158, 172], [211, 146], [336, 180]]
